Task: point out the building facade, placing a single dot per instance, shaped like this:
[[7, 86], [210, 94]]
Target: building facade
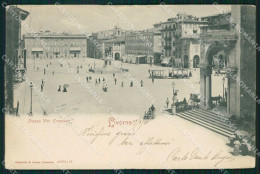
[[140, 46], [118, 48], [52, 45], [168, 37], [179, 41], [187, 50], [240, 58], [13, 52]]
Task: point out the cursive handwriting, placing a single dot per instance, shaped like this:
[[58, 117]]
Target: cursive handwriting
[[217, 158]]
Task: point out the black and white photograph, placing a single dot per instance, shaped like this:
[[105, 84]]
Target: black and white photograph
[[130, 87]]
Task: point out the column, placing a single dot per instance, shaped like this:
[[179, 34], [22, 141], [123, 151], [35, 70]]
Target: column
[[202, 88], [228, 95], [208, 91]]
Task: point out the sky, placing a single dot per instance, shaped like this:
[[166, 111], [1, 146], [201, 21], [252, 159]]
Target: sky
[[103, 17]]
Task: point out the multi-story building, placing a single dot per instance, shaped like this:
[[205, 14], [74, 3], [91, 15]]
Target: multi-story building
[[118, 48], [13, 52], [105, 34], [187, 46], [218, 21], [157, 38], [51, 45], [179, 44], [167, 33], [139, 47], [105, 38]]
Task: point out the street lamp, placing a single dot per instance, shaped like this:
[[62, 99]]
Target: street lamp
[[173, 98], [223, 82], [31, 86]]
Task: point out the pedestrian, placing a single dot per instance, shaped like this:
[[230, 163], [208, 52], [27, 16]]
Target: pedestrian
[[64, 88], [141, 83], [59, 88], [90, 77], [190, 74], [87, 79], [96, 82], [47, 65], [122, 84], [103, 79], [77, 69], [44, 71], [167, 102], [106, 87], [152, 80], [37, 68], [152, 108], [99, 80], [131, 84], [113, 74], [41, 87], [115, 81]]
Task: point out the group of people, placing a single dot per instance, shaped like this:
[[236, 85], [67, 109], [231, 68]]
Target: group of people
[[105, 88], [65, 86]]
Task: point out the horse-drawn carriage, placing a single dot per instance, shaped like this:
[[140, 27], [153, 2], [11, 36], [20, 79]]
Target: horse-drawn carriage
[[194, 100], [150, 114]]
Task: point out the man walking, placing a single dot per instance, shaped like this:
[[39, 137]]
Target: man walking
[[167, 102], [42, 87]]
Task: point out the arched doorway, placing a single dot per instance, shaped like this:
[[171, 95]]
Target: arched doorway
[[212, 95], [117, 56], [196, 61], [186, 62]]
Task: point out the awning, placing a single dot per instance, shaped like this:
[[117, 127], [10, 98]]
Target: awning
[[166, 60], [139, 56], [37, 49], [75, 49]]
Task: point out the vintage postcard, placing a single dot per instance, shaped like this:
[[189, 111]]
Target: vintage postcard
[[130, 87]]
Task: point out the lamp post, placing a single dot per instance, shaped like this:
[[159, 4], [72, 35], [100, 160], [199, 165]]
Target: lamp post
[[31, 86], [173, 99], [223, 82]]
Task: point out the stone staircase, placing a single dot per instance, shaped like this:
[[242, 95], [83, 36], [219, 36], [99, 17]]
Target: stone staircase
[[209, 120]]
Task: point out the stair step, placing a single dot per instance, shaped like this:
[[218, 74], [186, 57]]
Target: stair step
[[215, 117], [210, 120], [212, 114], [207, 125]]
